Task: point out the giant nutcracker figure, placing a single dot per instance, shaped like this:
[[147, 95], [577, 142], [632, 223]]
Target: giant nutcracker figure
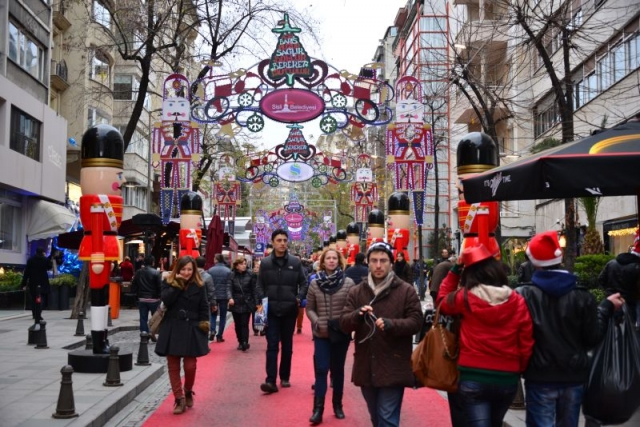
[[190, 224], [375, 227], [101, 180], [176, 144], [341, 242], [227, 193], [476, 153], [353, 242], [399, 222], [364, 192]]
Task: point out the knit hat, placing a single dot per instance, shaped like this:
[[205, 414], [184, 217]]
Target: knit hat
[[380, 247], [635, 249], [544, 249]]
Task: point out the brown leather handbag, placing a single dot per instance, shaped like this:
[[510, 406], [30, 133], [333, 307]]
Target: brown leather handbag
[[434, 360]]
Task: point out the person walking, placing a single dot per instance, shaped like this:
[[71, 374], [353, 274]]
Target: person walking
[[220, 273], [496, 335], [384, 312], [567, 324], [403, 269], [208, 284], [358, 271], [147, 284], [525, 271], [282, 280], [326, 299], [35, 274], [183, 331], [126, 269], [440, 271], [243, 300]]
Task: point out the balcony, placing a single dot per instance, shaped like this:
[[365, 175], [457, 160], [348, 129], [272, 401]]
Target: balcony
[[59, 18], [488, 33], [59, 72]]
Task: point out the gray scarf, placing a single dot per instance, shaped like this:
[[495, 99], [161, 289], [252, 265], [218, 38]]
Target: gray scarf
[[377, 289]]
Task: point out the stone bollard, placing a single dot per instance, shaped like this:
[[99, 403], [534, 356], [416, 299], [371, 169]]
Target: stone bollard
[[41, 339], [113, 371], [109, 322], [143, 350], [80, 326], [89, 344], [518, 400], [66, 407], [33, 332]]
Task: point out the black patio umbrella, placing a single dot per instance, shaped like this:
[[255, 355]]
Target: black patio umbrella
[[604, 164]]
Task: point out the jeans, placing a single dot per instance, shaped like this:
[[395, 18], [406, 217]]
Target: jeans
[[222, 312], [329, 357], [146, 308], [486, 404], [280, 330], [456, 410], [384, 404], [241, 322], [549, 405]]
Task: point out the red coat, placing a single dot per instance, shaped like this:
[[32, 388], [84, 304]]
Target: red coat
[[495, 337]]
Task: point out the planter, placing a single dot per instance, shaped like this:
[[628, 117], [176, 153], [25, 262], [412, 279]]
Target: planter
[[63, 300], [54, 298], [12, 300]]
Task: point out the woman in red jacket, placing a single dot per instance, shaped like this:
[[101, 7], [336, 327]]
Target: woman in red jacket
[[496, 335]]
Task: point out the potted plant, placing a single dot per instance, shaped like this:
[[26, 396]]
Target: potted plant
[[11, 293], [60, 288]]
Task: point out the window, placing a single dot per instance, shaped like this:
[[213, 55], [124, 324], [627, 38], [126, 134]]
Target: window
[[135, 196], [619, 62], [125, 87], [433, 24], [634, 52], [101, 14], [100, 68], [603, 70], [138, 144], [25, 52], [10, 214], [25, 134], [96, 117]]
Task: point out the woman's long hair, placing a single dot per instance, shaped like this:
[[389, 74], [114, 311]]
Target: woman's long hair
[[195, 277]]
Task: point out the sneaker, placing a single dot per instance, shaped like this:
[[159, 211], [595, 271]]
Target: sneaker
[[269, 388], [285, 383]]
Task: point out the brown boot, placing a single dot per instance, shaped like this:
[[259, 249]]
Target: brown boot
[[179, 406], [188, 398]]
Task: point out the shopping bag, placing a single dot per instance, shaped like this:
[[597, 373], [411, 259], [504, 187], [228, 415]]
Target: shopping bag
[[434, 360], [612, 395], [260, 316], [156, 319]]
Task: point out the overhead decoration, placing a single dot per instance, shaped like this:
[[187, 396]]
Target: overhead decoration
[[176, 145], [410, 143], [262, 230], [327, 227], [190, 224], [294, 218], [364, 192], [227, 193]]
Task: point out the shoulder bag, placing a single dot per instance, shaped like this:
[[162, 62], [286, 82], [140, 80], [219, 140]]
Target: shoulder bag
[[156, 319]]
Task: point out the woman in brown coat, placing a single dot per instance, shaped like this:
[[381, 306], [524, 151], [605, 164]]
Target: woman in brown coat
[[326, 298]]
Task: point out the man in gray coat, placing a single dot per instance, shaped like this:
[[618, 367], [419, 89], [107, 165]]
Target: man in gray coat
[[220, 274], [208, 286]]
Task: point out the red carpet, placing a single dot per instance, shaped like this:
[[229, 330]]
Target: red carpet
[[228, 393]]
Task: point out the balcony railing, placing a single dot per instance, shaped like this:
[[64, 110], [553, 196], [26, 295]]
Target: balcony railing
[[59, 18], [59, 73]]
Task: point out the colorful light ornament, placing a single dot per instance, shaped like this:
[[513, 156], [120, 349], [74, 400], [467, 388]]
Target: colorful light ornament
[[176, 144], [262, 231], [227, 193], [294, 218], [364, 192], [190, 224], [410, 143]]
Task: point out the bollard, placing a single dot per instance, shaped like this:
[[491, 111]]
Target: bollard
[[80, 326], [143, 350], [113, 371], [518, 400], [33, 331], [66, 407], [109, 322], [41, 339], [89, 344]]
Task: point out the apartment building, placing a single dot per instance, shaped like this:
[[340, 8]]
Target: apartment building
[[33, 140]]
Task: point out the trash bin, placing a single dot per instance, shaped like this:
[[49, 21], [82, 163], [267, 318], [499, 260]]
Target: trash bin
[[114, 298]]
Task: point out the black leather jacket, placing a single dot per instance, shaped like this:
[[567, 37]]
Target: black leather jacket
[[622, 275], [283, 281], [565, 328], [146, 283]]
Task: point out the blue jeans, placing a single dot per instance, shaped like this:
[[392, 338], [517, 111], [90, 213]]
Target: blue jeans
[[485, 404], [384, 404], [329, 357], [280, 330], [146, 308], [222, 312], [549, 405]]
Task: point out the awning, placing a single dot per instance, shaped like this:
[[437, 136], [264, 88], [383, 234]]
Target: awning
[[48, 220]]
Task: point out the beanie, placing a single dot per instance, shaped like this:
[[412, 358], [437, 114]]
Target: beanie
[[380, 247], [544, 249]]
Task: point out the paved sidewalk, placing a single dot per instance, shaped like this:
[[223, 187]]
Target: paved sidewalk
[[30, 378]]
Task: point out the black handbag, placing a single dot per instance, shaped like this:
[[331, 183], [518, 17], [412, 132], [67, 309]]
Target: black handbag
[[336, 336]]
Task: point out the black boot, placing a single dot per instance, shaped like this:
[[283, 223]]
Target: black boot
[[100, 343], [318, 409], [337, 406]]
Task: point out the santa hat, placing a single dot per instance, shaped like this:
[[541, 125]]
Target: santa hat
[[544, 249], [635, 249]]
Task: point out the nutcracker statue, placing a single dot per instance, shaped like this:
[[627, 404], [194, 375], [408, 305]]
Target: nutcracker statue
[[190, 224], [341, 242], [476, 153], [176, 144], [375, 228], [101, 180], [227, 194], [353, 242], [333, 241], [399, 222], [364, 192]]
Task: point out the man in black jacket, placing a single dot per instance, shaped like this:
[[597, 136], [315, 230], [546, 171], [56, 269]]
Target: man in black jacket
[[567, 323], [146, 285], [282, 279], [35, 274], [358, 271]]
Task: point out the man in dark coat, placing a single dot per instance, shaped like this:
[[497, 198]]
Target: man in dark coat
[[146, 284], [35, 274], [385, 313], [358, 271], [220, 273], [282, 279]]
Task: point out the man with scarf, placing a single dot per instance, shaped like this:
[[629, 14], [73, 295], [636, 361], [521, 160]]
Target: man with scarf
[[385, 313], [282, 280]]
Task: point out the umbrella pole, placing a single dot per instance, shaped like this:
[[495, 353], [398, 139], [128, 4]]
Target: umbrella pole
[[638, 205]]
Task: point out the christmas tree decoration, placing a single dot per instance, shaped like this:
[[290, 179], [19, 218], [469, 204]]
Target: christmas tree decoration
[[290, 59]]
